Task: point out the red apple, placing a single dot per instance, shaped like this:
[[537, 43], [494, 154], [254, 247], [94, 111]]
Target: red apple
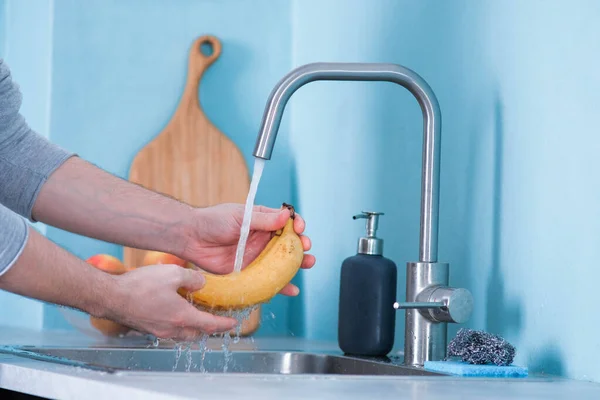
[[158, 257]]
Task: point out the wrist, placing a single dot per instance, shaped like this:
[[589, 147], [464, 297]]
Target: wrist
[[180, 233], [170, 228], [103, 297], [188, 234]]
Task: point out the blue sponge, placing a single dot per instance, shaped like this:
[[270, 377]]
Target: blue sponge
[[462, 368], [479, 354]]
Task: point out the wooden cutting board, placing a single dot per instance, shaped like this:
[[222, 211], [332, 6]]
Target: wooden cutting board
[[191, 160]]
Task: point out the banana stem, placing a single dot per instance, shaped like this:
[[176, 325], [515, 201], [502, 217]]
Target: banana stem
[[291, 208]]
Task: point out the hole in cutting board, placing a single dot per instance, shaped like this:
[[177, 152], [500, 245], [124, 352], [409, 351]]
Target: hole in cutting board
[[206, 48]]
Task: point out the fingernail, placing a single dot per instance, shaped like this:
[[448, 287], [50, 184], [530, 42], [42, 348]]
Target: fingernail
[[198, 275]]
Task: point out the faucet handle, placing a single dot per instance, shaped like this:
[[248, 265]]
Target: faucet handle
[[442, 304], [418, 305], [458, 303]]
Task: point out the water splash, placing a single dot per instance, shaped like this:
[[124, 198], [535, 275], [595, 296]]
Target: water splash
[[269, 319], [241, 316], [226, 352], [178, 348], [188, 358], [259, 164], [203, 347]]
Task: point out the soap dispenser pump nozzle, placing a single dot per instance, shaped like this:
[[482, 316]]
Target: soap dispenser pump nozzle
[[370, 244]]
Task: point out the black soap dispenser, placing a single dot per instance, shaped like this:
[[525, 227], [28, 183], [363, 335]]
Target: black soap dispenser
[[367, 318]]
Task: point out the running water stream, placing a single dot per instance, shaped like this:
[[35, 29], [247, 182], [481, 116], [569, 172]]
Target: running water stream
[[259, 164], [241, 315]]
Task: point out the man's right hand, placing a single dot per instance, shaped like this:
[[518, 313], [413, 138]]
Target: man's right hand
[[146, 300]]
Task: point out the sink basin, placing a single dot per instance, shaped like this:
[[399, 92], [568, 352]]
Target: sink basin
[[217, 362]]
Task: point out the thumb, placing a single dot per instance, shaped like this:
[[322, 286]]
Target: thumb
[[190, 279], [262, 221]]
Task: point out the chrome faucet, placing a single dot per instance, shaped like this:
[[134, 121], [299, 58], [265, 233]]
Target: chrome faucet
[[430, 303]]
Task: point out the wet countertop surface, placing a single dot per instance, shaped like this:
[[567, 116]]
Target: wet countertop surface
[[58, 381]]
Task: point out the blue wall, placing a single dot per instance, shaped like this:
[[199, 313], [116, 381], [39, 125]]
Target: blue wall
[[518, 88], [544, 69], [516, 82]]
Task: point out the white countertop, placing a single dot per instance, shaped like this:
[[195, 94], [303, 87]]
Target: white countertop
[[65, 382]]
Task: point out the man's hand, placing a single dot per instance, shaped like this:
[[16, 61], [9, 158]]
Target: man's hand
[[84, 199], [212, 236], [146, 300]]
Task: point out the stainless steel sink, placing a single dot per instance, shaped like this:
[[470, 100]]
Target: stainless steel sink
[[219, 362]]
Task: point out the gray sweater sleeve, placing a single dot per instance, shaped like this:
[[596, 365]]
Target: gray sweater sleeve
[[27, 159], [14, 233]]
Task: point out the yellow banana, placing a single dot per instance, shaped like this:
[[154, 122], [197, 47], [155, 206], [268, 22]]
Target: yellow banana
[[260, 281]]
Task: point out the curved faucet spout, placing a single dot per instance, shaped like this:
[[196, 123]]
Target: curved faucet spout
[[370, 72]]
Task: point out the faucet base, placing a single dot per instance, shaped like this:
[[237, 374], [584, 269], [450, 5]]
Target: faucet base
[[425, 340]]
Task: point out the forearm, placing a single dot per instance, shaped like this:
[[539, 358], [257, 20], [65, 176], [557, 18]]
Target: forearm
[[84, 199], [37, 183], [46, 272]]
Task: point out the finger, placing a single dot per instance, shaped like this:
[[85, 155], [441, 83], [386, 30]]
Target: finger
[[208, 323], [308, 261], [187, 334], [299, 224], [290, 290], [269, 221], [264, 209], [189, 279], [306, 243]]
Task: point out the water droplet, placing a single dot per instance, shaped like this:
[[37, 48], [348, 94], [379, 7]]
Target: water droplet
[[188, 357], [226, 352], [177, 356], [203, 347]]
